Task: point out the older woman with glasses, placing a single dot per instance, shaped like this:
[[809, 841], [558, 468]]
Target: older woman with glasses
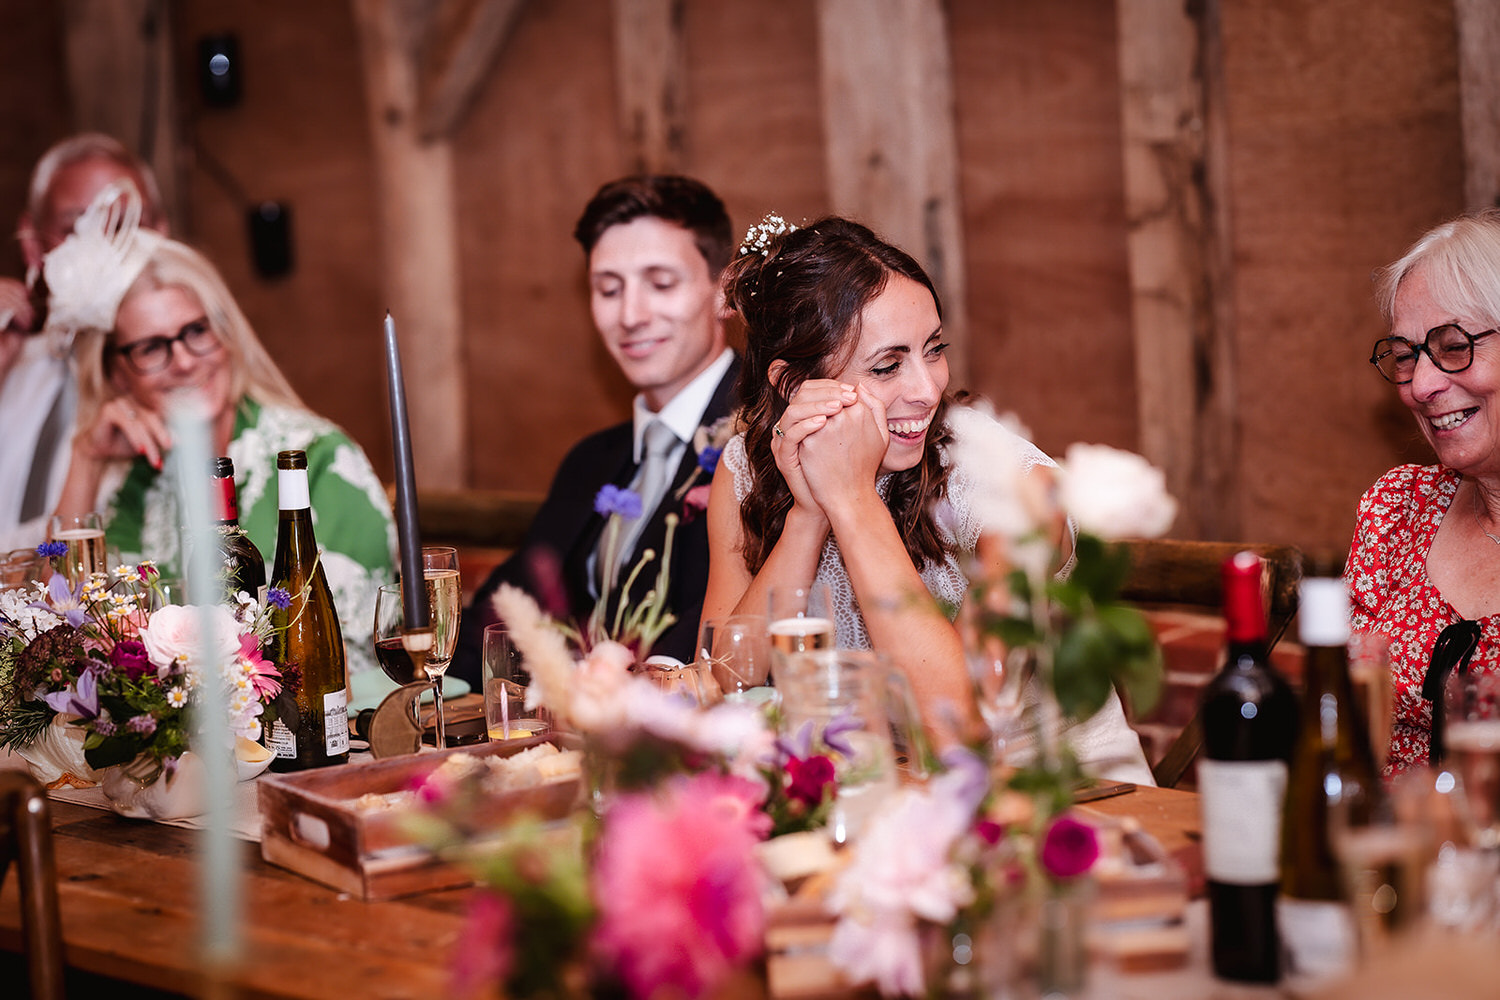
[[1426, 549], [152, 320]]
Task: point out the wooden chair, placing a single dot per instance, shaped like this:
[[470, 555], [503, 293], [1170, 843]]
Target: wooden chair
[[1182, 574], [26, 840]]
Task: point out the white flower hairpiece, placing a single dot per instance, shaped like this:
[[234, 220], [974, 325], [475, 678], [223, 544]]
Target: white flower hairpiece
[[89, 273], [758, 236]]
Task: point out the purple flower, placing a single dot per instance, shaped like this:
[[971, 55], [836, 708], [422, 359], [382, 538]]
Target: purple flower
[[833, 734], [277, 597], [708, 459], [51, 550], [64, 602], [612, 500], [144, 724], [82, 699], [799, 744], [1069, 848], [104, 727], [130, 658]]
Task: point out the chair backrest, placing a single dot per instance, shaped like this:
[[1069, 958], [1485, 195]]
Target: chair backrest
[[26, 841], [1185, 574]]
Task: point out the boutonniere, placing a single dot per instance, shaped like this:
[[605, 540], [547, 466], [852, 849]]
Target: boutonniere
[[709, 444]]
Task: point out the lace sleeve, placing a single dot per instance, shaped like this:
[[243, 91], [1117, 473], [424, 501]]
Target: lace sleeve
[[737, 462]]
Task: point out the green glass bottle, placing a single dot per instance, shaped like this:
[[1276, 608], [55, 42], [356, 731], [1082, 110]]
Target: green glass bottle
[[308, 634]]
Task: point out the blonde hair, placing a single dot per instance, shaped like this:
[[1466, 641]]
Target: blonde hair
[[176, 265], [1460, 260]]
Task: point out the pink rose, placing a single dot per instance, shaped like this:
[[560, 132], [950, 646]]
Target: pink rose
[[1069, 848], [809, 780], [130, 658], [171, 635]]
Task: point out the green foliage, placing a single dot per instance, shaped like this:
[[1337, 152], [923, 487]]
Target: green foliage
[[1096, 642]]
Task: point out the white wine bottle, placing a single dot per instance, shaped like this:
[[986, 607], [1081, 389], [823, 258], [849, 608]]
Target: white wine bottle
[[307, 636], [1249, 722], [1332, 768]]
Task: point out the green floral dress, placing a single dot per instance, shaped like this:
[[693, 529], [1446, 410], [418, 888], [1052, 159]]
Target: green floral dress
[[351, 515]]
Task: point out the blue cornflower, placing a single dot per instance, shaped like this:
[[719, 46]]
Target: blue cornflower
[[277, 597], [51, 550], [708, 459], [611, 500]]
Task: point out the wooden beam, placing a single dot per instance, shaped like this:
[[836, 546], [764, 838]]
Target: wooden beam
[[419, 240], [650, 69], [892, 146], [1478, 23], [121, 82], [1176, 206], [461, 51]]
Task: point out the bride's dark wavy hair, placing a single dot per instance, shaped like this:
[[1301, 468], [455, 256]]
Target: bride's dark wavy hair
[[801, 301]]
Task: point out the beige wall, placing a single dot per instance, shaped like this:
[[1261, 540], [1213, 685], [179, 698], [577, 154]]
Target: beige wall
[[1343, 125]]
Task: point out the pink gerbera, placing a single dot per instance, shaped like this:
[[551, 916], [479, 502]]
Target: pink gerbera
[[677, 887], [264, 676]]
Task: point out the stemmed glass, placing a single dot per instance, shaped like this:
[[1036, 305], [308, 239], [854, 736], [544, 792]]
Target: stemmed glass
[[738, 651], [444, 603]]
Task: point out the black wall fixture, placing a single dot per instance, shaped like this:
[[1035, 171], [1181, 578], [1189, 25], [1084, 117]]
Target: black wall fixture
[[271, 238], [219, 70]]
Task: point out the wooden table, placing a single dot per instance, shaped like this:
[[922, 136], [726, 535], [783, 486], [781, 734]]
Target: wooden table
[[129, 899]]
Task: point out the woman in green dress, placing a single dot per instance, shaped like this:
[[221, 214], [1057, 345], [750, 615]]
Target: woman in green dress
[[152, 318]]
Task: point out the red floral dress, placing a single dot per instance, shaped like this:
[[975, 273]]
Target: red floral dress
[[1390, 593]]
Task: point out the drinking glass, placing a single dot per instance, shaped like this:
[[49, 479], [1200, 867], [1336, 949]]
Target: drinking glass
[[506, 716], [1384, 844], [83, 534], [444, 604], [738, 651], [1472, 721], [800, 619], [19, 568], [844, 701]]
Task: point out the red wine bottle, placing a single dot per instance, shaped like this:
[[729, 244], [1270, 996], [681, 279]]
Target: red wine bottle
[[307, 634], [242, 568], [1249, 729]]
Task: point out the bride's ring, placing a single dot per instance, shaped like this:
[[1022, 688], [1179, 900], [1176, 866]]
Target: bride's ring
[[778, 431]]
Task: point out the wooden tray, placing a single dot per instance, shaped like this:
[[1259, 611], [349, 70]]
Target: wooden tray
[[310, 824]]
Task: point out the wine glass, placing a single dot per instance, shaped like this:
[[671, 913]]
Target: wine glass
[[1472, 738], [444, 603], [800, 619], [738, 651]]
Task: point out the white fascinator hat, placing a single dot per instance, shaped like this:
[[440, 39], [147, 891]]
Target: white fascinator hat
[[89, 273]]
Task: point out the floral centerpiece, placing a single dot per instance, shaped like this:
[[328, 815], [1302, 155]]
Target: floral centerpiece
[[656, 886], [116, 675], [992, 834]]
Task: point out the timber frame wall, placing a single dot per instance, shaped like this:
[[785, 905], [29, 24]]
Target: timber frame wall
[[1153, 223]]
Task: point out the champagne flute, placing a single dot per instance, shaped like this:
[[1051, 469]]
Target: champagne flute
[[445, 599], [83, 534], [800, 619]]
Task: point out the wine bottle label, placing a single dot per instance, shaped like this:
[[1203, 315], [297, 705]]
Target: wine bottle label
[[1319, 937], [291, 489], [281, 741], [1241, 802], [336, 722]]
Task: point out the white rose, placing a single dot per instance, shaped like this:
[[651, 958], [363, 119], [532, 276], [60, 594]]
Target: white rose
[[1115, 494], [172, 634]]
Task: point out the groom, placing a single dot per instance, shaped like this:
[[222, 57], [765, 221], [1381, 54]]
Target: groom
[[655, 246]]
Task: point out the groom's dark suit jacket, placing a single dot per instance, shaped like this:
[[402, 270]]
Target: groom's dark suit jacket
[[567, 529]]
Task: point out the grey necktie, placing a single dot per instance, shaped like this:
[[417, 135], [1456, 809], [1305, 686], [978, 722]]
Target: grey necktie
[[652, 483], [34, 500]]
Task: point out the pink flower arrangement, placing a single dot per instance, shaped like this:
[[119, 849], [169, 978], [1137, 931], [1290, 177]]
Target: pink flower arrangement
[[678, 887]]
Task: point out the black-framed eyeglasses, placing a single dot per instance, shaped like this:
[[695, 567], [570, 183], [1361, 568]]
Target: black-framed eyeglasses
[[154, 354], [1449, 346]]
